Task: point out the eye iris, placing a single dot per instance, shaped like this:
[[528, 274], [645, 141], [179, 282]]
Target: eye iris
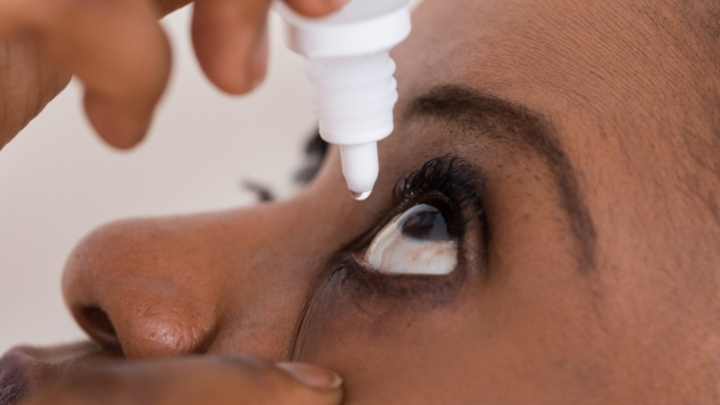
[[425, 225], [415, 242]]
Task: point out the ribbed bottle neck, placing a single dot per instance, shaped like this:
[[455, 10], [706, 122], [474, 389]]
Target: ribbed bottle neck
[[353, 97]]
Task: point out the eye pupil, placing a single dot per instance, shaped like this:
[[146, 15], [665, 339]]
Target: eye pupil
[[425, 223]]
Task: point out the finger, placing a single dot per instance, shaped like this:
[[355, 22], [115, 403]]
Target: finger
[[115, 47], [28, 81], [316, 8], [199, 380], [230, 40]]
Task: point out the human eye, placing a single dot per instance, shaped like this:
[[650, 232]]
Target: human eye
[[426, 232], [414, 242]]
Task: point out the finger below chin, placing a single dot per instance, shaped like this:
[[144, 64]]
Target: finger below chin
[[207, 380], [25, 370]]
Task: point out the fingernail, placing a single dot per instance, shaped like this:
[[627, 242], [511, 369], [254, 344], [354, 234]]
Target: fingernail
[[312, 376], [259, 59], [335, 4]]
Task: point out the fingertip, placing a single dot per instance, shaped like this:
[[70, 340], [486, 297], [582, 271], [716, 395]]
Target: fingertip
[[251, 72], [221, 75], [232, 51], [118, 125], [316, 8]]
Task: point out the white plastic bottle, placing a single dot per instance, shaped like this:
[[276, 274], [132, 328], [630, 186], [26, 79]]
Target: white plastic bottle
[[349, 64]]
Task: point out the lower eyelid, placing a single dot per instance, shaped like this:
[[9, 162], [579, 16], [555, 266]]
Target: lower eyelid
[[363, 282]]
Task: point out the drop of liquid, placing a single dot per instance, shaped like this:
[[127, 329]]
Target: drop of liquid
[[360, 196]]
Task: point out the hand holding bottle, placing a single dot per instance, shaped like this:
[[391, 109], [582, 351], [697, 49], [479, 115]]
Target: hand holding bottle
[[120, 53]]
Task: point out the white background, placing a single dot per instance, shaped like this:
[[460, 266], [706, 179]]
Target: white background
[[58, 181]]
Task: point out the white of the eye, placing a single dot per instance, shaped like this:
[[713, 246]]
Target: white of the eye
[[391, 252]]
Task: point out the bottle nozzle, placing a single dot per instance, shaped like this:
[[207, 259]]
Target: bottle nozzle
[[360, 168], [360, 196]]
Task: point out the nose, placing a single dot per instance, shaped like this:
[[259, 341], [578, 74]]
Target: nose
[[228, 282]]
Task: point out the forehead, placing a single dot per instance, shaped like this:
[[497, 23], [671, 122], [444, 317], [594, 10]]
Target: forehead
[[550, 54]]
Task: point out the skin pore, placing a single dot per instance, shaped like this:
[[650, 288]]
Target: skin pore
[[587, 260]]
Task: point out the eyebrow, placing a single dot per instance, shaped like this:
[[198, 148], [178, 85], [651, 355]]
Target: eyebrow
[[478, 111]]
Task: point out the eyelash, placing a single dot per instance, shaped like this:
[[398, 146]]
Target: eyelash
[[446, 178], [452, 186]]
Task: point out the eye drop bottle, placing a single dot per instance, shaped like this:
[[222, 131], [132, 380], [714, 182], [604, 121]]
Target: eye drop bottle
[[349, 65]]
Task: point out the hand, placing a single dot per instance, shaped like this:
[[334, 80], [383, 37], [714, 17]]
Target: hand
[[208, 380], [120, 53]]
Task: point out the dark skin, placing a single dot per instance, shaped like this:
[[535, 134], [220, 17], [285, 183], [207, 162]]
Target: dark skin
[[589, 276]]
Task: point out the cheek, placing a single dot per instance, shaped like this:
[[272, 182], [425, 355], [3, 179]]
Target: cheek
[[487, 345], [393, 351], [374, 346]]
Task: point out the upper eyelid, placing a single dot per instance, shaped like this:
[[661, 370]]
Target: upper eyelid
[[439, 172], [450, 176], [398, 208]]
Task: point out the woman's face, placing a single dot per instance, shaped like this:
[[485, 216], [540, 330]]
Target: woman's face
[[543, 230]]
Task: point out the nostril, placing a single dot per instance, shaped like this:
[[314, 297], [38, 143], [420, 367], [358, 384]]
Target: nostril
[[100, 327]]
